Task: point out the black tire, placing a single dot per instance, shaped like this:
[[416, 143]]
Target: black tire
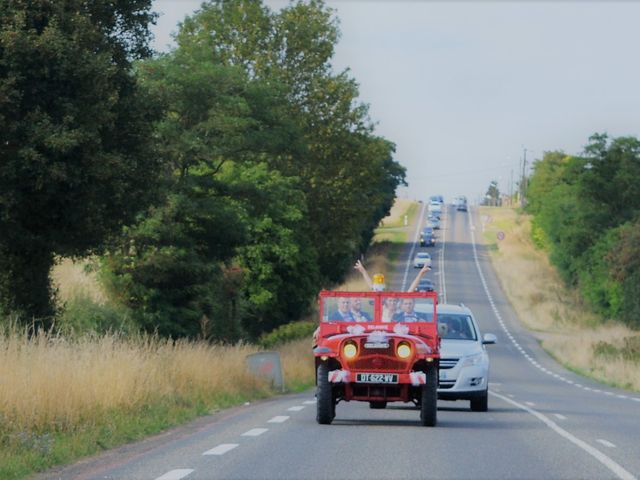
[[429, 401], [377, 404], [326, 410], [480, 404]]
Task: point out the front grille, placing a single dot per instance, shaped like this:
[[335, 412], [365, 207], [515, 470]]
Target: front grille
[[446, 363], [375, 363]]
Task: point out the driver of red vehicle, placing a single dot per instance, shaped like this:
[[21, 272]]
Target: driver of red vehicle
[[407, 312]]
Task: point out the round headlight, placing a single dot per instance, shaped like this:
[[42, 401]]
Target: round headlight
[[404, 350], [350, 350]]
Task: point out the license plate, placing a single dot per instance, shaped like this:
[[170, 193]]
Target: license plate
[[376, 345], [377, 378]]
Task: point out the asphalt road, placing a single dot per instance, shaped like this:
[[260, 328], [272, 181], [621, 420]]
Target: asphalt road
[[543, 421]]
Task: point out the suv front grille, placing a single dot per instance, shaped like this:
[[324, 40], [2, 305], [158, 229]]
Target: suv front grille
[[446, 363]]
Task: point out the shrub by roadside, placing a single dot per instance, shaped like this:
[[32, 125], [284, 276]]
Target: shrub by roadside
[[584, 342]]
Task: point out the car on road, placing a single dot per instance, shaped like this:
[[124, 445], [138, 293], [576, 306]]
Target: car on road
[[434, 223], [425, 285], [427, 239], [464, 364], [377, 361], [421, 259]]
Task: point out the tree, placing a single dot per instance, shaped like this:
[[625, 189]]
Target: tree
[[76, 162]]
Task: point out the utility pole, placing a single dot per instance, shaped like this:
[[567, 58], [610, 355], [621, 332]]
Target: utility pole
[[522, 182]]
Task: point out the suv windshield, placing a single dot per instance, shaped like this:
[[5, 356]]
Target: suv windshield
[[458, 327]]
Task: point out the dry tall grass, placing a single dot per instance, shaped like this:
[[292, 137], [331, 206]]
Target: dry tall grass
[[556, 315], [72, 279], [51, 383]]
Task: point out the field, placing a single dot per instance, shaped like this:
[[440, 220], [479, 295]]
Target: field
[[603, 349]]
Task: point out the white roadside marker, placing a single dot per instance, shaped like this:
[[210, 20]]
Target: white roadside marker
[[297, 408], [221, 449], [605, 443], [176, 474], [279, 419], [254, 432]]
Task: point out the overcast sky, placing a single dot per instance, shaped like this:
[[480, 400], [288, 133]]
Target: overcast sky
[[462, 88]]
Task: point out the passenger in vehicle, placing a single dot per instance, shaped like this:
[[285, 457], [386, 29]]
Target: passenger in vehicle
[[357, 313], [343, 313], [407, 312], [389, 308], [360, 267]]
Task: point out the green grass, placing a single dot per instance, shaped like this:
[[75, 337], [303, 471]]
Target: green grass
[[24, 453]]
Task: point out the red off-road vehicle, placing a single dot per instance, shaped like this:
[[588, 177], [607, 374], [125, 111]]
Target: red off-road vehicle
[[377, 347]]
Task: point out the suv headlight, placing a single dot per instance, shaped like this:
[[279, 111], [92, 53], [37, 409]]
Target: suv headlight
[[472, 360]]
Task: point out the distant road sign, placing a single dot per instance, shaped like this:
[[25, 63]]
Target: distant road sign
[[500, 236]]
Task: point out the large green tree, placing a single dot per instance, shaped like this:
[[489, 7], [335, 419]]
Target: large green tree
[[75, 162]]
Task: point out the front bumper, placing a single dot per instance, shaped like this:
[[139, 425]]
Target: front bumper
[[463, 383]]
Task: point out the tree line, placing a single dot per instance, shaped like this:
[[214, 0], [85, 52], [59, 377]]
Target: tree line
[[220, 185], [587, 216]]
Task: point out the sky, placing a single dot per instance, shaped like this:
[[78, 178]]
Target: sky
[[466, 90]]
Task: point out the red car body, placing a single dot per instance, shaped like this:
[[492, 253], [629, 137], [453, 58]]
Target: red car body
[[381, 353]]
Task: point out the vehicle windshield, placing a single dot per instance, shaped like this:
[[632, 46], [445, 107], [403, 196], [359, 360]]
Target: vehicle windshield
[[377, 307], [458, 327], [407, 309]]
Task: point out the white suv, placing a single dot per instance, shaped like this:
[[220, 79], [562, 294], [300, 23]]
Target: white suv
[[464, 363]]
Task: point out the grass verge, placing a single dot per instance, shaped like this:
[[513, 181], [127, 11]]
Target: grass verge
[[600, 348]]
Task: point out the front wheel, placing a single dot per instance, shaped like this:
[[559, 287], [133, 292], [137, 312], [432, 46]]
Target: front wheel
[[429, 401], [480, 404], [324, 397]]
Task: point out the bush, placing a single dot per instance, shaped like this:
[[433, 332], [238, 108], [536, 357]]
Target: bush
[[288, 333], [83, 315]]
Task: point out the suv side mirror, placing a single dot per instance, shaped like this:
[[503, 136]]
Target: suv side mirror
[[489, 339]]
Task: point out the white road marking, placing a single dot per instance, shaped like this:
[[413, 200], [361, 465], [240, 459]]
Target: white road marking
[[254, 432], [606, 443], [508, 333], [413, 247], [531, 404], [279, 419], [617, 469], [176, 474], [221, 449], [297, 408], [559, 416], [309, 402]]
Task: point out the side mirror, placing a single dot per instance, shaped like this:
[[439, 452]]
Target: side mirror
[[489, 339]]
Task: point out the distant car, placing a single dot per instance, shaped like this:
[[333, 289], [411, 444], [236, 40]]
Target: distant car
[[421, 259], [425, 285], [464, 362], [427, 238], [437, 199], [434, 223], [435, 207]]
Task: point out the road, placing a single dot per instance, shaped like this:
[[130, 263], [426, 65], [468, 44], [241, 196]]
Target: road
[[543, 421]]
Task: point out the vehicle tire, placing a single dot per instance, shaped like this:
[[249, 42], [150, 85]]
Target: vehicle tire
[[377, 404], [480, 404], [326, 409], [429, 401]]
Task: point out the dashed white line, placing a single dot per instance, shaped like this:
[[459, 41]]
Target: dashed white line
[[221, 449], [254, 432], [531, 404], [559, 416], [606, 443], [617, 469], [279, 419], [309, 402], [176, 474], [297, 408]]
